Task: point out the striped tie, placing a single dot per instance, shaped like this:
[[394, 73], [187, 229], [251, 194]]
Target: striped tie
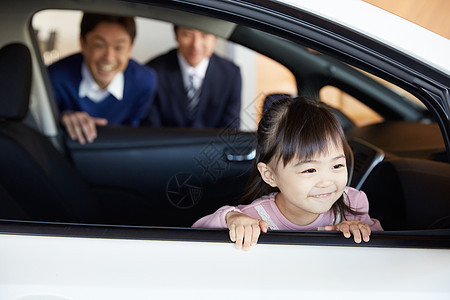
[[193, 95]]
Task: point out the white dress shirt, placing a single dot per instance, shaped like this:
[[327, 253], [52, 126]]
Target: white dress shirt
[[89, 88], [197, 72]]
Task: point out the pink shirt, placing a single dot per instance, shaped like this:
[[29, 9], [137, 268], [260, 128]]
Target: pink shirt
[[265, 209]]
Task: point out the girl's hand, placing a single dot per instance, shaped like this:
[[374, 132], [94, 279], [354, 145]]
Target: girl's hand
[[355, 227], [244, 230]]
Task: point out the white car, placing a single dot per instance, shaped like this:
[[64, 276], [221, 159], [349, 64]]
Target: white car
[[111, 219]]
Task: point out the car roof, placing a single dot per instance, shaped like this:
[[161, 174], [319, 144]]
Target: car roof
[[383, 26], [358, 16]]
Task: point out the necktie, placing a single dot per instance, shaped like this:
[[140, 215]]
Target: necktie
[[193, 95]]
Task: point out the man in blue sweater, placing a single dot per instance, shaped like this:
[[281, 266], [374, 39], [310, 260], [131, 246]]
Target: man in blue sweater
[[102, 85]]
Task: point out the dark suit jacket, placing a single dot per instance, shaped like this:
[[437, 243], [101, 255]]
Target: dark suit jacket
[[220, 98]]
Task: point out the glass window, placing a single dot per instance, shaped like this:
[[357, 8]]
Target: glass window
[[357, 111]]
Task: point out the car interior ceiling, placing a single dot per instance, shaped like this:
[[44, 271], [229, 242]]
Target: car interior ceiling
[[314, 71], [56, 192]]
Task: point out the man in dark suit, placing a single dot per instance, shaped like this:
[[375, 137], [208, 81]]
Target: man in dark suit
[[196, 88]]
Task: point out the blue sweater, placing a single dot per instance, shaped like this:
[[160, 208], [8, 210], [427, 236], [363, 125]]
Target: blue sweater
[[138, 94]]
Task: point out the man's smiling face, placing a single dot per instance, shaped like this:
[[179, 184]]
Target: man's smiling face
[[106, 50]]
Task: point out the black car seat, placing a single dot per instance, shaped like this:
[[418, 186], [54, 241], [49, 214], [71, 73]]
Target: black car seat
[[40, 182], [345, 121], [409, 194]]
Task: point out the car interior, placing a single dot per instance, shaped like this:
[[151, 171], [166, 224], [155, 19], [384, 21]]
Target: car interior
[[43, 184], [173, 176]]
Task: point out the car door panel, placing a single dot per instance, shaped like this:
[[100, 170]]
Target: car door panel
[[164, 176], [172, 263]]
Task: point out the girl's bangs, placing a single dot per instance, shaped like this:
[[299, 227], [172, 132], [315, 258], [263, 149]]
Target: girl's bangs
[[313, 137]]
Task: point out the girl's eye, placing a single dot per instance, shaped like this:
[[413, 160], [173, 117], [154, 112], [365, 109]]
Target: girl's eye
[[309, 171], [338, 166]]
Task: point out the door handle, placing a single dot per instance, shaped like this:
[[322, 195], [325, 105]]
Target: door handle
[[241, 157]]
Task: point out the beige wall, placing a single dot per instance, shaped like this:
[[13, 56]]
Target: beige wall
[[431, 14], [272, 77]]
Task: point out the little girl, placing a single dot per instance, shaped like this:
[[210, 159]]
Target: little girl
[[299, 179]]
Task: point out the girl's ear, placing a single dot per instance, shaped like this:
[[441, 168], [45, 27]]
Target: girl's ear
[[266, 174]]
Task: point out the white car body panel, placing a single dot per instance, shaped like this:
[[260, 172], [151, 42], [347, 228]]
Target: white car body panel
[[50, 268]]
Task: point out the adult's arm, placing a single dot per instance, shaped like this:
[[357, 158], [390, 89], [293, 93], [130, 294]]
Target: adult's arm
[[81, 126]]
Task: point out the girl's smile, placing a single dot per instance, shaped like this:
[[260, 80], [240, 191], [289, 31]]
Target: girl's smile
[[320, 196], [308, 188]]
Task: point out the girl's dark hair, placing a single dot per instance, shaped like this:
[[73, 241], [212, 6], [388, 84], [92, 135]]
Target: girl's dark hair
[[295, 128], [90, 21]]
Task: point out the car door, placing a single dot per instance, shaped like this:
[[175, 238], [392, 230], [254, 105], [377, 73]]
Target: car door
[[81, 261], [164, 176]]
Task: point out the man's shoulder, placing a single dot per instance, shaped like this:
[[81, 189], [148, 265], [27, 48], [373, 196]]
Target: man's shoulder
[[163, 59], [69, 62], [66, 71], [221, 62], [139, 71], [139, 78]]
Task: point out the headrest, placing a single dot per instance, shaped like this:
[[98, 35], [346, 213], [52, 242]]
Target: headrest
[[15, 81], [271, 98]]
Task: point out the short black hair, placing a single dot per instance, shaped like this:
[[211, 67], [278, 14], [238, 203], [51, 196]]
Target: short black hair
[[90, 21]]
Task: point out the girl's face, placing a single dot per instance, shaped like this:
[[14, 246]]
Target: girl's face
[[308, 188]]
